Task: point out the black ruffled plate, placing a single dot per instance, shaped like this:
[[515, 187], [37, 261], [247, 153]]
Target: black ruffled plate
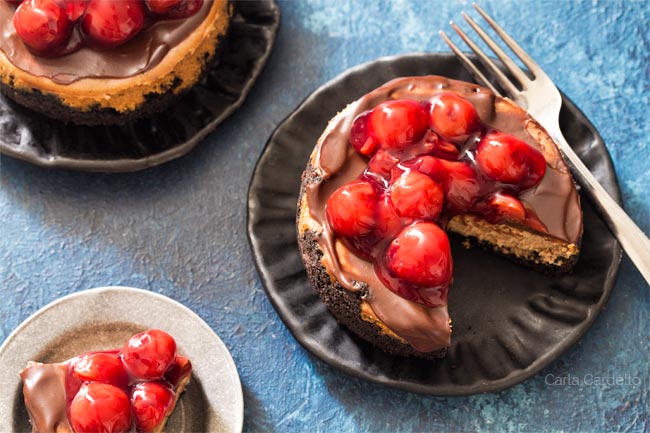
[[508, 321], [171, 134]]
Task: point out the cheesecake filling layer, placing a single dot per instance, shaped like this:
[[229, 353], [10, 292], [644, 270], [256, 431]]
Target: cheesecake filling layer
[[139, 55], [554, 200]]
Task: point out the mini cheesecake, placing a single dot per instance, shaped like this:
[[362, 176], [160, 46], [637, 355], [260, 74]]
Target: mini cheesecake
[[115, 391], [399, 170], [116, 61]]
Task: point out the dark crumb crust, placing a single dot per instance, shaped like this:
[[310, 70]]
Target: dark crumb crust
[[51, 106], [344, 304]]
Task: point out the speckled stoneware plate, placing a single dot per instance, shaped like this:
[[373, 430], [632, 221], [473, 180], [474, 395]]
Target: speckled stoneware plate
[[166, 136], [508, 321], [106, 318]]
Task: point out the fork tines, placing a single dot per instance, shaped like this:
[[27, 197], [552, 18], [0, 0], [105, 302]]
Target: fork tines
[[506, 84]]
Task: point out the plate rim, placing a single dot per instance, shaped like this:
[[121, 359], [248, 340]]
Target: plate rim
[[126, 165], [239, 425], [508, 381]]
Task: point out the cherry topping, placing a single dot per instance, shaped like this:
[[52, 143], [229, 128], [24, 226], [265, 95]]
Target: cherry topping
[[162, 7], [152, 403], [453, 117], [100, 408], [351, 209], [416, 195], [507, 159], [108, 23], [101, 367], [500, 207], [420, 254], [360, 137], [398, 123], [149, 354], [43, 26], [74, 9]]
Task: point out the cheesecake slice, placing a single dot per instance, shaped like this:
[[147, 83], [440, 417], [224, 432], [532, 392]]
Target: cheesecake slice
[[116, 391]]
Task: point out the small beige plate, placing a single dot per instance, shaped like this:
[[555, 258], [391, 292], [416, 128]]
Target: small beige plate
[[105, 318]]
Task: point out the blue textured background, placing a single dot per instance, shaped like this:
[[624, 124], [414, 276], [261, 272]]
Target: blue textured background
[[180, 229]]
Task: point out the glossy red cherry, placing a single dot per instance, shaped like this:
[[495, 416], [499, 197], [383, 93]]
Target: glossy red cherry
[[100, 408], [152, 402], [382, 164], [396, 124], [453, 117], [461, 184], [507, 159], [352, 209], [421, 255], [361, 138], [416, 195], [108, 23], [101, 367], [162, 7], [148, 355], [500, 207], [43, 26], [74, 9]]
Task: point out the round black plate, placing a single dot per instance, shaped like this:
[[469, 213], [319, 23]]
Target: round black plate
[[168, 135], [508, 321]]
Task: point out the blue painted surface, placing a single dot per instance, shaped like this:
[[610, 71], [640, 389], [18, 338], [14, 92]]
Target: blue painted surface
[[179, 229]]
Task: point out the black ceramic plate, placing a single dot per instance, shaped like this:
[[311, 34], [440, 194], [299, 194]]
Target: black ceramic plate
[[171, 134], [508, 321]]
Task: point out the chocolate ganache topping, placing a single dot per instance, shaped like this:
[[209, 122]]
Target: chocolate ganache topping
[[554, 200], [138, 55], [45, 396]]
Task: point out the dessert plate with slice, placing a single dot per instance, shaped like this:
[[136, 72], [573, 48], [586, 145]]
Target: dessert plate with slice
[[86, 327], [132, 100], [389, 177]]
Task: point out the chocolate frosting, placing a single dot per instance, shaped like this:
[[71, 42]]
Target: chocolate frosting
[[554, 200], [45, 399], [138, 55]]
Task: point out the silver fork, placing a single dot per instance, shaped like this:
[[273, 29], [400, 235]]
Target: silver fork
[[542, 100]]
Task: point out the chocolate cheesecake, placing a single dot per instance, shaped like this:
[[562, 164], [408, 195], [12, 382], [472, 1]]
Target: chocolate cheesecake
[[91, 81], [115, 391], [402, 167]]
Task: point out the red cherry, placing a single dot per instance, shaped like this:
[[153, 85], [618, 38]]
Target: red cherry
[[43, 26], [382, 164], [162, 7], [74, 9], [396, 124], [100, 408], [507, 159], [421, 255], [453, 117], [149, 354], [352, 209], [360, 137], [152, 402], [499, 207], [416, 195], [101, 367], [180, 368], [460, 181], [108, 23]]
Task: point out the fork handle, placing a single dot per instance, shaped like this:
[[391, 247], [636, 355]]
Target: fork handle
[[635, 243]]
